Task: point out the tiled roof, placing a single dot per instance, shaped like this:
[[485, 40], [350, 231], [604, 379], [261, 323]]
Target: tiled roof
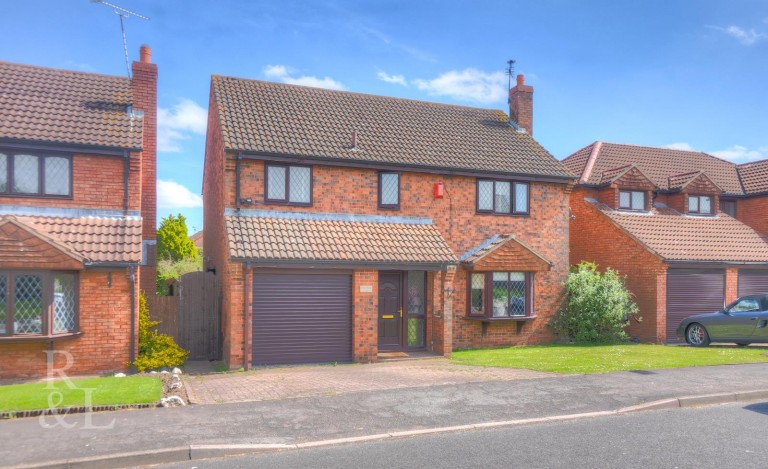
[[657, 164], [610, 175], [258, 116], [94, 239], [50, 105], [677, 237], [287, 239], [754, 177], [489, 245]]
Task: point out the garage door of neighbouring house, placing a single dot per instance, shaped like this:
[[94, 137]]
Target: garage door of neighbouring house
[[692, 292], [302, 318], [753, 282]]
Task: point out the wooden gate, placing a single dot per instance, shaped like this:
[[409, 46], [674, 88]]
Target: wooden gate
[[193, 316]]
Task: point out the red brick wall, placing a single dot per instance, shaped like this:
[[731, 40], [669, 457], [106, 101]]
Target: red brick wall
[[595, 238], [349, 190], [97, 184], [105, 318], [365, 339], [754, 212], [731, 284]]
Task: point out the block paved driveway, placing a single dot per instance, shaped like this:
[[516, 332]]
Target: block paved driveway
[[327, 380]]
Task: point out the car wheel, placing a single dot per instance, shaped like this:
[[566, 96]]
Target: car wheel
[[696, 335]]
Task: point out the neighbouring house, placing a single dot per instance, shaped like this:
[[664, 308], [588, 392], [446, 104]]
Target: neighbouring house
[[197, 238], [343, 225], [77, 215], [686, 228]]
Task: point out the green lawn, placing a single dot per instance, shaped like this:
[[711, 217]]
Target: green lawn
[[607, 358], [106, 391]]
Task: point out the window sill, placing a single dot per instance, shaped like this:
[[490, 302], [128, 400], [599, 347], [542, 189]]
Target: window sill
[[504, 319], [39, 338]]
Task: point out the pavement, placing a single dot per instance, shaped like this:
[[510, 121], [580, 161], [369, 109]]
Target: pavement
[[136, 437]]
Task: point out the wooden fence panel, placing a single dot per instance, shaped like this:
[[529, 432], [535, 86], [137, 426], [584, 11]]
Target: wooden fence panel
[[166, 310], [199, 315]]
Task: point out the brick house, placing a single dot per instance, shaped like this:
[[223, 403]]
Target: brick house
[[686, 228], [343, 225], [77, 214]]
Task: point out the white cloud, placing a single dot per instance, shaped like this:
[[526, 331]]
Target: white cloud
[[680, 146], [171, 194], [174, 125], [742, 154], [467, 85], [747, 37], [281, 72], [396, 79]]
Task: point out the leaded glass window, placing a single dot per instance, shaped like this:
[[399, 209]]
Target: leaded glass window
[[3, 302], [416, 308], [26, 174], [521, 197], [35, 175], [28, 304], [477, 294], [485, 195], [500, 294], [63, 303], [41, 304], [632, 200], [3, 172], [389, 190], [56, 175], [288, 184], [502, 197]]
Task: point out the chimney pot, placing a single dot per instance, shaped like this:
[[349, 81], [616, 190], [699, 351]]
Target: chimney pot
[[145, 54]]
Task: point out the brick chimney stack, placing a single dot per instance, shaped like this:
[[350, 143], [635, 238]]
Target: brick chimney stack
[[521, 105], [144, 90]]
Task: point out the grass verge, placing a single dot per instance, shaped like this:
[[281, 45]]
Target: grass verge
[[105, 391], [607, 358]]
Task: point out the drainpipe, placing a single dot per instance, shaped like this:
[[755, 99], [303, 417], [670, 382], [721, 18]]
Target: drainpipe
[[133, 318], [246, 335], [126, 169], [238, 158]]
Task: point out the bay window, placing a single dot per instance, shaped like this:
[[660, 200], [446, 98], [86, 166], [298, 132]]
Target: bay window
[[38, 303], [500, 295]]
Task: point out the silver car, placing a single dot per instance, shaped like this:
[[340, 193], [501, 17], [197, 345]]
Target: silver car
[[744, 321]]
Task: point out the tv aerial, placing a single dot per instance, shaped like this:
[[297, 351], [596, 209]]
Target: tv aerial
[[123, 14]]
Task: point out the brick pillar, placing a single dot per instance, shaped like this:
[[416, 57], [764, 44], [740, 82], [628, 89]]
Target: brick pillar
[[448, 293], [365, 316], [731, 285], [521, 105], [661, 306], [144, 91]]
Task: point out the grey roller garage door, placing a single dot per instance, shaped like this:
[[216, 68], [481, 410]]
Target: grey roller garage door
[[302, 318], [692, 292], [753, 282]]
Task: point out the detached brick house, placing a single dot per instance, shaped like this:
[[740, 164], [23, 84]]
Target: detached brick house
[[77, 212], [343, 224], [686, 228]]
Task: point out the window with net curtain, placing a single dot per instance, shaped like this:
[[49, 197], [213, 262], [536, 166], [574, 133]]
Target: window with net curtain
[[37, 304], [35, 175]]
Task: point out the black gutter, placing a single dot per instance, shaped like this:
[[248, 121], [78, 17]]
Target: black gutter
[[442, 170], [24, 144], [133, 319], [126, 169]]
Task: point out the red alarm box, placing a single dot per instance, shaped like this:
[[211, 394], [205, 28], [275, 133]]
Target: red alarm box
[[439, 190]]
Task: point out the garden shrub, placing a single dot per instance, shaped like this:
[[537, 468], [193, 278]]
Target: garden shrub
[[597, 308], [155, 350]]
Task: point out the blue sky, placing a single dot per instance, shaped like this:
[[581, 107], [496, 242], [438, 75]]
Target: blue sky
[[691, 74]]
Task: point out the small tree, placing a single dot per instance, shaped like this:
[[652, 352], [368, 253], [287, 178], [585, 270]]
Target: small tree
[[598, 306], [173, 241], [155, 350]]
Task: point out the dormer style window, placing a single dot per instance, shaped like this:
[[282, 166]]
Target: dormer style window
[[288, 184], [389, 190], [502, 197], [36, 175], [700, 204], [632, 200]]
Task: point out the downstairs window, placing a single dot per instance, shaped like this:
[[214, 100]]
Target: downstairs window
[[499, 295], [38, 303]]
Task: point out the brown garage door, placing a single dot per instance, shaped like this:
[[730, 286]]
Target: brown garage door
[[302, 318], [753, 282], [692, 292]]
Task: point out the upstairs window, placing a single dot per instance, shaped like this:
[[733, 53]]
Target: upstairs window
[[701, 204], [499, 295], [288, 184], [502, 197], [632, 200], [389, 190], [27, 174]]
